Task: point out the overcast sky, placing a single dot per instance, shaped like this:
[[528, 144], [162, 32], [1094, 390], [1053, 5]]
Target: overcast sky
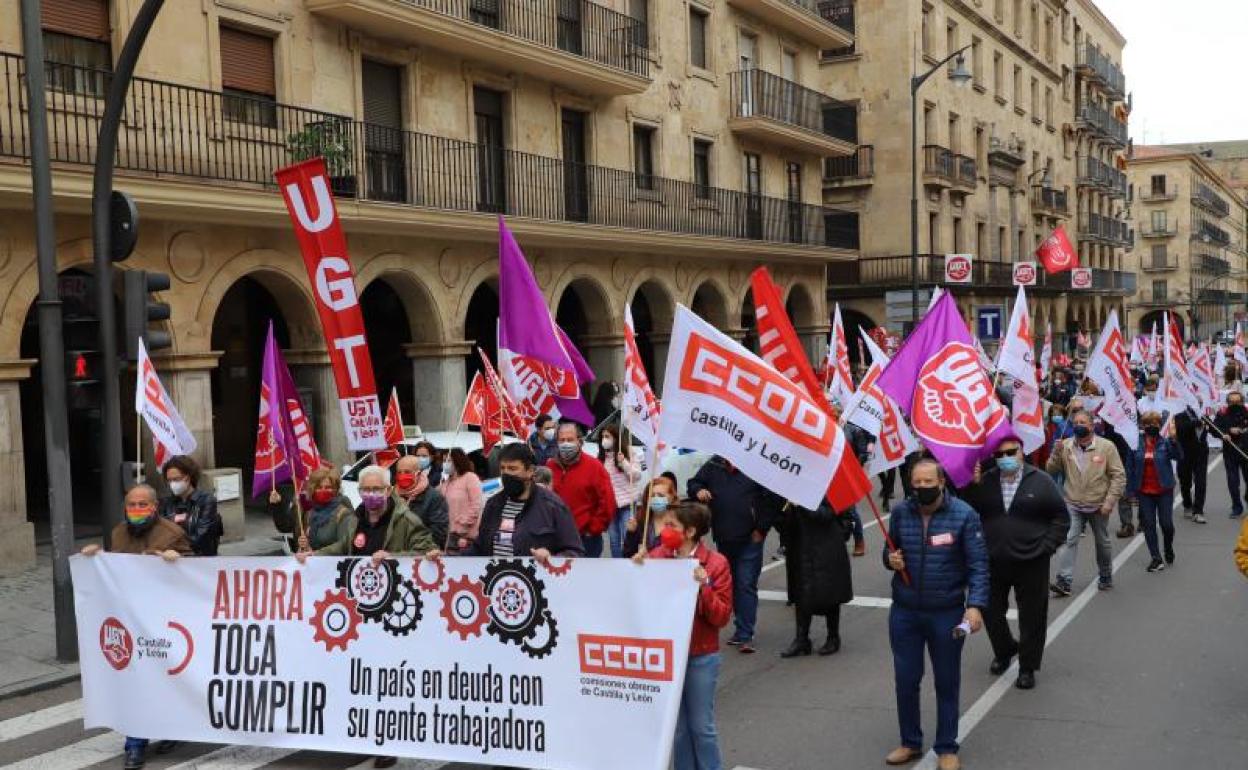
[[1184, 63]]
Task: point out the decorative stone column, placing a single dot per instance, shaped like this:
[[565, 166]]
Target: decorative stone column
[[439, 380], [314, 377], [660, 344], [188, 379], [605, 355], [815, 341], [17, 545]]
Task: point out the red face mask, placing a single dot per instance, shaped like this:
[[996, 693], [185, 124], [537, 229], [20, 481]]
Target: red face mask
[[406, 480], [671, 538], [323, 496]]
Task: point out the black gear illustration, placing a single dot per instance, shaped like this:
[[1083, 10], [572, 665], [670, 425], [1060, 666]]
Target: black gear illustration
[[516, 599], [405, 611], [552, 636], [373, 587]]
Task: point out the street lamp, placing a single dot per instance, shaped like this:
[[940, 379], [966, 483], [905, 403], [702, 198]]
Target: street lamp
[[960, 77]]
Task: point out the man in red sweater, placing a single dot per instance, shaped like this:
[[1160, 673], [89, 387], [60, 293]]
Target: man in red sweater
[[584, 486]]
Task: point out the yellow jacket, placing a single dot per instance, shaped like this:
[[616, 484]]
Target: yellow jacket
[[1241, 549]]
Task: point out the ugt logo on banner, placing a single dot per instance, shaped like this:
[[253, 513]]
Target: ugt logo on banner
[[305, 188], [958, 268], [1025, 274], [1081, 278]]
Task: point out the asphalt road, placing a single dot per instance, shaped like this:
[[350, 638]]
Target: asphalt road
[[1149, 675]]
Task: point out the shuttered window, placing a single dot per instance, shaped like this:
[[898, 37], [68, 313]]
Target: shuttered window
[[248, 77], [76, 46], [80, 18]]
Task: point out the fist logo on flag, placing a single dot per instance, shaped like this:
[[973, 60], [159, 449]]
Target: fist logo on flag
[[1081, 278], [958, 268], [1025, 274], [269, 452], [955, 400]]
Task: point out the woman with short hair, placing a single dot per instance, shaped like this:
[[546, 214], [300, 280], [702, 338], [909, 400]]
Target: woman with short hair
[[191, 508]]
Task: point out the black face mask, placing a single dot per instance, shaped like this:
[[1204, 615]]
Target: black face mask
[[927, 495], [1235, 407], [1152, 430], [1082, 431], [513, 486]]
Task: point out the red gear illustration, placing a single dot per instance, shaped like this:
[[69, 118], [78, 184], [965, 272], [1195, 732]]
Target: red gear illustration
[[336, 620], [558, 570], [465, 607], [426, 585]]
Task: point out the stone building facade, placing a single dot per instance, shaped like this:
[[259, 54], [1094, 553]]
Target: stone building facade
[[645, 153]]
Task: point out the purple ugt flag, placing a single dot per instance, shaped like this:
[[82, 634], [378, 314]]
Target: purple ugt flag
[[937, 380], [277, 449]]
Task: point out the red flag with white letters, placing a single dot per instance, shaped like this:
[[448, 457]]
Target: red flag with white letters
[[1056, 252], [392, 428]]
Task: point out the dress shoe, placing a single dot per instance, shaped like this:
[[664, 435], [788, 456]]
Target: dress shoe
[[800, 646], [903, 755], [860, 548], [1000, 665], [831, 647], [1026, 680], [949, 762]]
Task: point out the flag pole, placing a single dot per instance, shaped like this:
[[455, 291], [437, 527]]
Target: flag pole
[[1225, 438], [138, 447], [888, 540], [645, 529], [294, 480]]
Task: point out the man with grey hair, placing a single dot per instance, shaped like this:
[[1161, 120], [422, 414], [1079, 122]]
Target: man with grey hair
[[384, 525]]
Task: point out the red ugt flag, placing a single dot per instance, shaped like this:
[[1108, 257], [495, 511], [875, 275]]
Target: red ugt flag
[[1056, 253], [392, 430]]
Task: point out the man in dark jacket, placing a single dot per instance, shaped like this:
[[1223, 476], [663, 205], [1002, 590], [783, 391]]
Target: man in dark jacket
[[741, 515], [1025, 521], [524, 519], [191, 508], [417, 492], [1193, 436], [940, 591], [1233, 422]]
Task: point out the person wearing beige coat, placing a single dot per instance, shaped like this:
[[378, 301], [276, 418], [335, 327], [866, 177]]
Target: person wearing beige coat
[[1094, 479]]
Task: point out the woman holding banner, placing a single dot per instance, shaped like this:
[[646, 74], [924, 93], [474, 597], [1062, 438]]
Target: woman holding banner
[[329, 514], [191, 508]]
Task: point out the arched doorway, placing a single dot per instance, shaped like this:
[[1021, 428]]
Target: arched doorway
[[1157, 319], [749, 322], [652, 310], [853, 321], [583, 311], [393, 313], [710, 305], [801, 311], [481, 327]]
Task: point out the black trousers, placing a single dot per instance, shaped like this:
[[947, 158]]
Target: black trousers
[[804, 618], [1030, 582], [1193, 474], [887, 481]]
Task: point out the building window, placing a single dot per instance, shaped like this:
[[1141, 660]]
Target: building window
[[1001, 242], [981, 246], [1065, 26], [1065, 83], [639, 11], [1159, 290], [951, 40], [1048, 38], [1035, 98], [1022, 244], [1048, 106], [697, 37], [933, 232], [998, 10], [1018, 18], [248, 79], [977, 61], [981, 148], [1158, 184], [957, 235], [955, 134], [643, 156], [76, 46], [926, 33], [702, 168], [1018, 87], [1159, 256], [929, 124], [998, 75], [1159, 221], [1035, 27]]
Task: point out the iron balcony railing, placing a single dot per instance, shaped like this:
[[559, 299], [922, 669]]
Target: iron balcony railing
[[939, 162], [967, 171], [181, 132], [1103, 228], [860, 165], [869, 274], [1158, 193], [1092, 172], [756, 93], [1097, 66], [1204, 196], [1158, 230], [1159, 260], [1050, 200], [1211, 265], [1207, 232], [839, 13], [1103, 123], [578, 27]]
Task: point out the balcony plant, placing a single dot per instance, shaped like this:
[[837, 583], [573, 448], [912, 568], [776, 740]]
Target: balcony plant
[[331, 140]]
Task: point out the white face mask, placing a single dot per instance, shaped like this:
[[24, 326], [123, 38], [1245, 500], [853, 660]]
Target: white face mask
[[448, 468], [608, 443], [179, 487], [549, 434]]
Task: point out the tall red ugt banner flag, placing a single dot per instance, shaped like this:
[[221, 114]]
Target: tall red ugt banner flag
[[936, 378], [325, 256], [170, 436], [1109, 367], [641, 408], [719, 397], [478, 408], [1056, 252], [285, 446], [879, 415]]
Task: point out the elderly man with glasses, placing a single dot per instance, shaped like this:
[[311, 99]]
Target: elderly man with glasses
[[1025, 521]]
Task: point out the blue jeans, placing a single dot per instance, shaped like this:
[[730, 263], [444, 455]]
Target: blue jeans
[[136, 743], [854, 517], [696, 743], [1152, 509], [909, 632], [618, 530], [592, 545], [1236, 467], [745, 559]]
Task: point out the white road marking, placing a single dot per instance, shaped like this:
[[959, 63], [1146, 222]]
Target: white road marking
[[986, 702], [235, 758], [43, 719], [75, 756], [872, 602], [865, 526]]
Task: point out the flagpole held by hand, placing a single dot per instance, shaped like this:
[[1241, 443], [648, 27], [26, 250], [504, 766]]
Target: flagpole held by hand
[[888, 540], [1225, 438], [294, 479]]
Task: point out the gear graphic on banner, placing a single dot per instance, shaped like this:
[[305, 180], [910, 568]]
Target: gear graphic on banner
[[373, 586], [336, 620], [405, 611], [424, 565], [465, 607], [516, 600]]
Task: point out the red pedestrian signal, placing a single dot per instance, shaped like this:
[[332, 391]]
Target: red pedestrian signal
[[80, 367]]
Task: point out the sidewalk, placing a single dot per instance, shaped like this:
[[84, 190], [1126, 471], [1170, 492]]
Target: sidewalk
[[27, 628]]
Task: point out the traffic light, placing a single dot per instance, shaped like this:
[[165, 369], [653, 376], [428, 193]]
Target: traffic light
[[123, 221], [141, 309]]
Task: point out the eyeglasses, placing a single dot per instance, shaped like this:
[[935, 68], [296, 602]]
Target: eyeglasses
[[1004, 453]]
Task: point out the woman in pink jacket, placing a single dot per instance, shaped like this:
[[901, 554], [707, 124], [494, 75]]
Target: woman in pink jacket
[[462, 490]]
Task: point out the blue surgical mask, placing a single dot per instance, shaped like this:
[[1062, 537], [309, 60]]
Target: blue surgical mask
[[1057, 419], [423, 462], [658, 504], [1009, 465]]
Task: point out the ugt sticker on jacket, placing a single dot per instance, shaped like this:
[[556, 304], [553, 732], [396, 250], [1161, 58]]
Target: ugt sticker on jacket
[[499, 662]]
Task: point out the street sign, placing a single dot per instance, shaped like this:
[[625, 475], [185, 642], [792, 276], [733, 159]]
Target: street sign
[[1081, 278], [958, 268], [1025, 274], [989, 321]]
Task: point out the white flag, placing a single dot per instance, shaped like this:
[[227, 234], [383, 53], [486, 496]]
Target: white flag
[[873, 411], [1018, 356], [170, 436], [1046, 354], [1204, 379], [1176, 380], [1219, 364], [641, 408], [1109, 369], [840, 379]]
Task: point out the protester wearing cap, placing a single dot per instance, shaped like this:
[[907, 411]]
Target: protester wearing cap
[[940, 590], [191, 508], [584, 486], [1152, 474], [1025, 521], [384, 526], [413, 485]]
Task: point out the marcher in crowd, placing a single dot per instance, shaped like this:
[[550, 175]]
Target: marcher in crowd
[[327, 515], [584, 486], [1093, 480], [542, 442], [817, 569], [662, 496], [1232, 378], [384, 526], [741, 516], [1052, 426], [1126, 503], [1025, 521], [617, 458], [606, 401], [1192, 433], [462, 489], [414, 487], [542, 476], [1150, 401], [427, 463], [943, 594], [1061, 389], [695, 745], [1152, 473], [525, 519], [145, 532], [1233, 422], [191, 508], [863, 444]]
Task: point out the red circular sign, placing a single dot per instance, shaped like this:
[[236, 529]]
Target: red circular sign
[[1024, 274], [1081, 279], [957, 269], [116, 643]]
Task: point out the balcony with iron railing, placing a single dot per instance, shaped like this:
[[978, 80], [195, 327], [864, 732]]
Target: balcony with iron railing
[[1203, 196], [850, 170], [1159, 229], [1095, 66], [1101, 122], [1104, 229], [771, 109], [575, 43], [940, 168], [1210, 265], [1159, 193], [1047, 200], [966, 171], [235, 143], [1207, 232], [827, 24], [1159, 260], [867, 276], [1092, 172]]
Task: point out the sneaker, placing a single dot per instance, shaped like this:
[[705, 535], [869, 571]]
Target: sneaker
[[1104, 585], [1156, 565], [1060, 588], [735, 642], [1199, 518], [1169, 556], [747, 647]]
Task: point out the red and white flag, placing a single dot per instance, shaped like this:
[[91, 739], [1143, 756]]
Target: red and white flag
[[1153, 356], [1109, 369], [777, 339], [1046, 353], [1203, 378], [170, 436], [872, 410], [719, 397], [641, 408], [392, 428], [1056, 252], [1018, 361], [1219, 365], [508, 415], [840, 385], [1176, 387]]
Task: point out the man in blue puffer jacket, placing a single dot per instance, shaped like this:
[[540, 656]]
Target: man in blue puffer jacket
[[941, 585]]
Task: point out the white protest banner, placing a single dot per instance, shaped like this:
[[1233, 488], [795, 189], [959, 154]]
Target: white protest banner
[[502, 662], [1109, 369]]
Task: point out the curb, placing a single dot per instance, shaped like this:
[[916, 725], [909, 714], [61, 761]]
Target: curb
[[46, 682]]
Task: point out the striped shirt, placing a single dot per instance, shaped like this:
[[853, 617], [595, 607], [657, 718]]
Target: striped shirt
[[507, 528], [1009, 487]]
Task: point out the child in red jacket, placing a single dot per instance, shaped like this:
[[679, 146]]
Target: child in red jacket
[[696, 743]]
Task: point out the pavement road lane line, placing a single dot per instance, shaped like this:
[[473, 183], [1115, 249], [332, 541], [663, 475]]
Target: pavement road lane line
[[235, 758], [43, 719], [986, 702], [865, 526], [75, 756]]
